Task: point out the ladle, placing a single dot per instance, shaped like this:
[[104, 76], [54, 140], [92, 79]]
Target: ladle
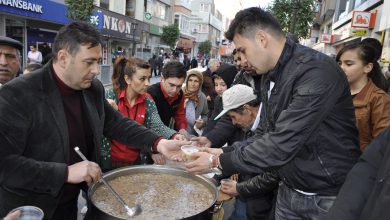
[[131, 211]]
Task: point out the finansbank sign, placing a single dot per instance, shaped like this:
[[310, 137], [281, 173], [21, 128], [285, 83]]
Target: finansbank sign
[[24, 5]]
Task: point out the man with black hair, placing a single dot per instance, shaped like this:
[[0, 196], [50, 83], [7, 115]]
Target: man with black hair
[[45, 115], [169, 97], [307, 129]]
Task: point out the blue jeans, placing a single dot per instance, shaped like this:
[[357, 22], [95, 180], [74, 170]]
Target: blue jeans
[[293, 205], [239, 212]]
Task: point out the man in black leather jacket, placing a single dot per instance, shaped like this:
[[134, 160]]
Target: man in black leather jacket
[[307, 130]]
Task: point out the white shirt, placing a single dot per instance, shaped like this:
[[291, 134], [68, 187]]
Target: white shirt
[[34, 57]]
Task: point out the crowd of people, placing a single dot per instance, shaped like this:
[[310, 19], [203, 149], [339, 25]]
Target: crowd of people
[[306, 135]]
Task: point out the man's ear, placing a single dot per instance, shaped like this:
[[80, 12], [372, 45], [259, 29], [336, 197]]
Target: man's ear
[[261, 38], [62, 58]]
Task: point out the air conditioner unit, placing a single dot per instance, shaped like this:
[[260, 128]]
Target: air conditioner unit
[[194, 30]]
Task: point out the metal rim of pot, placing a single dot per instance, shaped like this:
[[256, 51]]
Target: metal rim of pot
[[208, 183]]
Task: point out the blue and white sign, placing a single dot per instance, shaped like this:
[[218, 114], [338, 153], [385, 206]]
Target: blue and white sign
[[38, 9]]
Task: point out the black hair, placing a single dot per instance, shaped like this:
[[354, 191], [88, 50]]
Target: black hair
[[375, 44], [366, 53], [126, 66], [71, 36], [174, 69], [247, 21]]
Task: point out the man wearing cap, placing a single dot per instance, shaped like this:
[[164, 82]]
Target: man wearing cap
[[9, 58], [243, 107]]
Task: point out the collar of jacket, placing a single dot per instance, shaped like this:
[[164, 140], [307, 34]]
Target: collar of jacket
[[286, 55], [361, 99]]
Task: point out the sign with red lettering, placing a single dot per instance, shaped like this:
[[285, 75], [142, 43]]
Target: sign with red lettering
[[326, 38], [361, 19]]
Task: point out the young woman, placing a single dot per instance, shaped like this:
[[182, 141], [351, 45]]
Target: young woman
[[195, 102], [223, 79], [372, 104], [130, 82]]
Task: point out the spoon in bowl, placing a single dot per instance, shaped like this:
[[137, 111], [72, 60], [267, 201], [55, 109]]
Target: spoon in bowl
[[130, 211]]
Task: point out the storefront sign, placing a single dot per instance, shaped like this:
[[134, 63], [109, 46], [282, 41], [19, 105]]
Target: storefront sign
[[326, 38], [361, 19], [117, 25], [24, 5], [38, 9], [359, 32]]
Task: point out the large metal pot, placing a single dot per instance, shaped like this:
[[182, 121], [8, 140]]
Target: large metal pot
[[204, 215]]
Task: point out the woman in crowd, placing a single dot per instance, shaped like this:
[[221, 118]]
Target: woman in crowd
[[372, 104], [223, 79], [130, 81], [195, 102]]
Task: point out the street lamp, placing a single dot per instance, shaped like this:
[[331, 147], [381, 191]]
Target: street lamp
[[133, 28]]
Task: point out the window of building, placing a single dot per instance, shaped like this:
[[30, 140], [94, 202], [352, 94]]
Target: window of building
[[344, 9], [204, 7], [359, 2], [157, 9], [130, 8], [104, 4]]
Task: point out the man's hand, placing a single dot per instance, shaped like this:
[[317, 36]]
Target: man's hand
[[87, 171], [158, 159], [171, 148], [201, 164], [229, 187], [13, 216], [202, 141], [199, 123], [184, 132], [179, 137], [213, 151]]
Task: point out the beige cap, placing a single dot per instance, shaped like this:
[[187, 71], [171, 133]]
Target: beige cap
[[235, 97]]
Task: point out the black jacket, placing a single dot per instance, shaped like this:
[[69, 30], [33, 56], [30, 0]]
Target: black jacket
[[307, 127], [365, 193], [34, 142]]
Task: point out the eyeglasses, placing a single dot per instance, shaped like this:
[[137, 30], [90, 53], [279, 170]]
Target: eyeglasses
[[9, 56]]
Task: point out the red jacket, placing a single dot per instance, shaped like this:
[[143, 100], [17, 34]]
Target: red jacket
[[122, 152]]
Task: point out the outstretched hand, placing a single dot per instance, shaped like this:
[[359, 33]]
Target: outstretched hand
[[171, 148], [201, 164]]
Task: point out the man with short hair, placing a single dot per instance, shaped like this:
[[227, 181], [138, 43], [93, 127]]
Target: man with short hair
[[307, 129], [169, 97], [45, 115], [10, 59]]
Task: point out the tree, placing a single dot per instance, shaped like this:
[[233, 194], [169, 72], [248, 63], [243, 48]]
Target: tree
[[170, 35], [205, 47], [295, 16], [80, 10]]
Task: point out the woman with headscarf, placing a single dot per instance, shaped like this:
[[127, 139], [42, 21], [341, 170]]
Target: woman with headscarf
[[195, 102]]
